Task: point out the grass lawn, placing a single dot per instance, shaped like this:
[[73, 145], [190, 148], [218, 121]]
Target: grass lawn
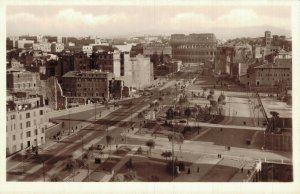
[[146, 168], [231, 137], [219, 173]]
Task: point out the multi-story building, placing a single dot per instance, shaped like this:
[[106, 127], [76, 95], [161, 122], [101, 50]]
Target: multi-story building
[[269, 74], [45, 47], [193, 48], [159, 49], [81, 62], [57, 47], [25, 123], [22, 81], [107, 61], [87, 49], [21, 43], [27, 37], [87, 84], [267, 39], [138, 71]]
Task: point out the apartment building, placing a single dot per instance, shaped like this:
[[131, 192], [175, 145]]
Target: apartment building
[[25, 123]]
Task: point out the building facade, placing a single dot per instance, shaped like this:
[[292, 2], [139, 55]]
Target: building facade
[[22, 81], [21, 43], [25, 123], [87, 84], [270, 74], [193, 48], [152, 49], [107, 61], [57, 47], [45, 47]]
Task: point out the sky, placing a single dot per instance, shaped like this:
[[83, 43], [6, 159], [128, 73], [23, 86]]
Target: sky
[[132, 20]]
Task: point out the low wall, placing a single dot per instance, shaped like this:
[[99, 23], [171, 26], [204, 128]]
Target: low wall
[[278, 142]]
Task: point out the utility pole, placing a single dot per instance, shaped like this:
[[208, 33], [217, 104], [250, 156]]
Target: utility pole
[[69, 121], [258, 115], [95, 110], [82, 145], [44, 171]]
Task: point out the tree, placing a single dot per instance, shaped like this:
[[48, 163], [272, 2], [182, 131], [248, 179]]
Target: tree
[[187, 113], [108, 142], [55, 178], [170, 114], [150, 143], [178, 138], [166, 154], [141, 115], [274, 122], [70, 166]]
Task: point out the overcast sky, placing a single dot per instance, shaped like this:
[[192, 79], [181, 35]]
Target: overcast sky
[[118, 21]]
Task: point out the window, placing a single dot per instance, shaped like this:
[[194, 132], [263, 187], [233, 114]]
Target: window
[[21, 135], [14, 137], [35, 132], [13, 117], [43, 130], [21, 126], [20, 116], [41, 112], [28, 133], [28, 124], [27, 115], [34, 113]]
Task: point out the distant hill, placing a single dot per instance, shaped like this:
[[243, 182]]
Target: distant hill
[[222, 33]]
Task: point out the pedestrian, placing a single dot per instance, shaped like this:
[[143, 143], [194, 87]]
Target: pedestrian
[[198, 169], [242, 170], [248, 172], [189, 171], [229, 148]]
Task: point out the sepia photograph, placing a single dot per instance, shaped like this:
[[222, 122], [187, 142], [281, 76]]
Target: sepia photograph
[[149, 92]]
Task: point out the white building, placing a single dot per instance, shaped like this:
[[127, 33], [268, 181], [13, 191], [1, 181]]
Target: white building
[[25, 124], [21, 43], [45, 47], [138, 71], [88, 49], [57, 47]]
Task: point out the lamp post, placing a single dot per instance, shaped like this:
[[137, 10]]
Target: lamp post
[[95, 110]]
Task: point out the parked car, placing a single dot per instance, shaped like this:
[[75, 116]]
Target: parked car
[[182, 121], [100, 147]]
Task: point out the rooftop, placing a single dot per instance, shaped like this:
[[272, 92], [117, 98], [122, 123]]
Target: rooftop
[[81, 73], [279, 64]]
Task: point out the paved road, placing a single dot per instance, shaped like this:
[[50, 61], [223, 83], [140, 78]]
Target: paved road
[[56, 156]]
